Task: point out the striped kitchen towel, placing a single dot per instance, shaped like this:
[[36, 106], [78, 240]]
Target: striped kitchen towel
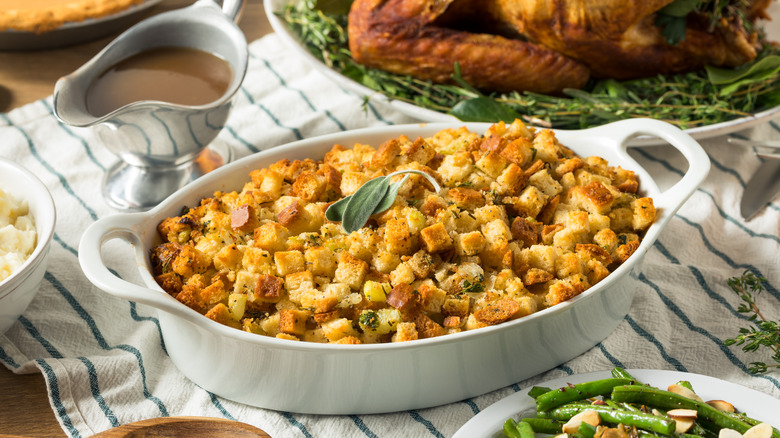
[[103, 358]]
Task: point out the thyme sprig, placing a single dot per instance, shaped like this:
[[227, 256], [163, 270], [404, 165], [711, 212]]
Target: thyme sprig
[[687, 100], [763, 333]]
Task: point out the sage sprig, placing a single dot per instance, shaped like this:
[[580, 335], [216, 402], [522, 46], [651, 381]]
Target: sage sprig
[[375, 196]]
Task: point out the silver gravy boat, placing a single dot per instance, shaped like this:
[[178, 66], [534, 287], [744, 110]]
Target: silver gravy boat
[[161, 146]]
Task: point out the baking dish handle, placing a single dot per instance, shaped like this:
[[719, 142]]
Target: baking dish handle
[[698, 160], [122, 226]]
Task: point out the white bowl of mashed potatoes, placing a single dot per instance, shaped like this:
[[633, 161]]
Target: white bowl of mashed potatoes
[[293, 370], [27, 218]]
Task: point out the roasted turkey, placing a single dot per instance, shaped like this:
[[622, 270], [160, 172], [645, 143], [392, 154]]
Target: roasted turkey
[[542, 46]]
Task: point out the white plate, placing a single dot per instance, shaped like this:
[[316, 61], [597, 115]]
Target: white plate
[[490, 422], [272, 7], [73, 32]]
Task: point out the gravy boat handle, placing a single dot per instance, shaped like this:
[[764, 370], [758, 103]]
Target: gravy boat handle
[[231, 8]]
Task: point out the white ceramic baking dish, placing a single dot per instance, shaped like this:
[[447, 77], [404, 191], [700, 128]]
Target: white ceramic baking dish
[[360, 379]]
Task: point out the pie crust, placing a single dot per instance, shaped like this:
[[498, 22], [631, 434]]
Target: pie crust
[[39, 16]]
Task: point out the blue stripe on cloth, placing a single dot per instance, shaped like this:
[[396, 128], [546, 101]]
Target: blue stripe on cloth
[[134, 314], [8, 360], [741, 266], [235, 135], [215, 401], [367, 104], [694, 328], [83, 142], [102, 342], [362, 426], [296, 423], [56, 401], [53, 352], [428, 425], [300, 93], [45, 164], [721, 212], [94, 387], [609, 356], [276, 121], [470, 403], [653, 340]]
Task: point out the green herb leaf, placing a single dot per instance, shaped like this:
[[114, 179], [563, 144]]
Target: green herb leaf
[[375, 196], [680, 8], [335, 212], [339, 7], [362, 204], [672, 28], [483, 109]]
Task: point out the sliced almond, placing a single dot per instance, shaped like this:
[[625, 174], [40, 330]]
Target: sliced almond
[[763, 430], [722, 405], [729, 433], [683, 424], [573, 425], [683, 391], [682, 413]]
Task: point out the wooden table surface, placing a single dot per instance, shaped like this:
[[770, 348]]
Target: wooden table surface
[[26, 76]]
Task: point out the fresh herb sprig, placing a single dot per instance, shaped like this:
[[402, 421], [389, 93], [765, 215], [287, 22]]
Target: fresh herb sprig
[[687, 100], [375, 196], [764, 333]]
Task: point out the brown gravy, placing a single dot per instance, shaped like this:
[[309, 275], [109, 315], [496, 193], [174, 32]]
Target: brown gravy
[[177, 75]]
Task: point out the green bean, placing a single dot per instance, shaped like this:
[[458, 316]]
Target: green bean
[[668, 400], [586, 430], [580, 391], [525, 430], [510, 428], [685, 384], [653, 423], [620, 373], [536, 391], [544, 425]]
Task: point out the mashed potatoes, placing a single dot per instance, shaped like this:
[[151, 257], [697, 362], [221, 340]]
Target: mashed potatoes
[[17, 234]]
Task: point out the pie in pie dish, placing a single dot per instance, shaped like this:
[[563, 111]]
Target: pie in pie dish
[[40, 16]]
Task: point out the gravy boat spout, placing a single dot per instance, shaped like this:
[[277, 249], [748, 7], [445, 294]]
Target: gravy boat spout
[[161, 145]]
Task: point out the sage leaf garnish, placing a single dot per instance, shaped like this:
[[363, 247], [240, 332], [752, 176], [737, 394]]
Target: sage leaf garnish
[[363, 203], [335, 211], [375, 196]]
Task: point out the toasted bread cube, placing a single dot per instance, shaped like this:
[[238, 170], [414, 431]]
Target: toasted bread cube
[[466, 198], [456, 167], [271, 237], [543, 181], [288, 262], [421, 263], [397, 236], [351, 271], [309, 186], [190, 261], [221, 314], [456, 306], [268, 288], [530, 202], [214, 293], [644, 213], [320, 261], [386, 153], [436, 238], [351, 181], [256, 260], [593, 198], [512, 180], [469, 243], [621, 219], [338, 328], [420, 151], [491, 163], [402, 274], [228, 258], [519, 151], [405, 331], [293, 321], [431, 298]]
